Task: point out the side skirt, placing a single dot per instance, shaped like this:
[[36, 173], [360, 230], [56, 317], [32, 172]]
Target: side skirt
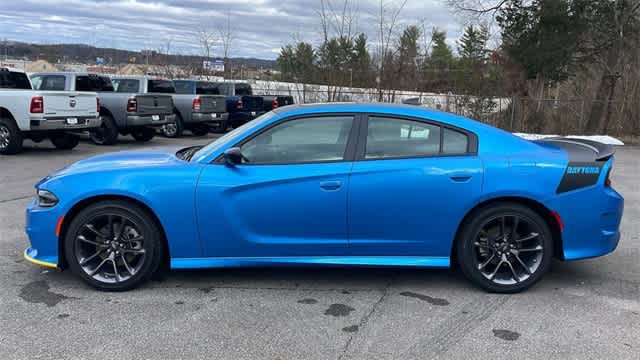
[[221, 262]]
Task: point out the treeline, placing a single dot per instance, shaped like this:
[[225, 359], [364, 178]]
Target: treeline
[[549, 51]]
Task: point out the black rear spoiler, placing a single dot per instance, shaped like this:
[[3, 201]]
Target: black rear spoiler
[[582, 150]]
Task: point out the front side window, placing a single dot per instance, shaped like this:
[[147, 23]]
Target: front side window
[[183, 87], [126, 85], [389, 138], [314, 139]]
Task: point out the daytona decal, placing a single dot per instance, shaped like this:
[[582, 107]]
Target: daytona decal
[[579, 175]]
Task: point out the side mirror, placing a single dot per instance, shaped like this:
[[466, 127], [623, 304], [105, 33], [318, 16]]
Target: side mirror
[[233, 156]]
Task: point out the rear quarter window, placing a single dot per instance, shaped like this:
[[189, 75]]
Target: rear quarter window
[[161, 86]]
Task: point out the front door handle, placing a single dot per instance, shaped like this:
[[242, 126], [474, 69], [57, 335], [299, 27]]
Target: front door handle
[[330, 185]]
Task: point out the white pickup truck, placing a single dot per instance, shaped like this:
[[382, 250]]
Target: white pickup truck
[[40, 115]]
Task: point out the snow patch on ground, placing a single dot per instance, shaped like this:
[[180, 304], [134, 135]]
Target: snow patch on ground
[[605, 139]]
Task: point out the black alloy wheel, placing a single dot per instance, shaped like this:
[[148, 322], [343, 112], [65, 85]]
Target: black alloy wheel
[[113, 245], [505, 248]]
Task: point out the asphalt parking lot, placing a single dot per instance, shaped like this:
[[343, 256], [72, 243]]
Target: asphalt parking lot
[[581, 310]]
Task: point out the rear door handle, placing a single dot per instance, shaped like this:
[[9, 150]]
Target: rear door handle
[[460, 178], [330, 185]]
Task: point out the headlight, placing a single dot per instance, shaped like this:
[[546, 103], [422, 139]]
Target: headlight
[[46, 198]]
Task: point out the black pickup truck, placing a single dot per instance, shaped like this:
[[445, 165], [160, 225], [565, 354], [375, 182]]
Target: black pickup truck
[[271, 102]]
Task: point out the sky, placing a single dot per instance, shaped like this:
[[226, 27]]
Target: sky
[[260, 27]]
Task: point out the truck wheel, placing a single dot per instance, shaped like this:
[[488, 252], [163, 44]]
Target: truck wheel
[[173, 129], [10, 137], [143, 134], [65, 141], [106, 134], [200, 130]]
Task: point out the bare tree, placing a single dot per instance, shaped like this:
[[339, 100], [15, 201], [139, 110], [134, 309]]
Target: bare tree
[[227, 36], [387, 21]]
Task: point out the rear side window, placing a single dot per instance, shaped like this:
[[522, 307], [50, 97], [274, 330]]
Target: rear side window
[[93, 83], [161, 86], [126, 85], [389, 138], [397, 138], [243, 89], [207, 88], [49, 82], [183, 87], [14, 80]]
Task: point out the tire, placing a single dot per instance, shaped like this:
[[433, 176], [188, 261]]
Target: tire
[[65, 141], [174, 129], [499, 263], [106, 134], [10, 137], [200, 130], [120, 259], [143, 134]]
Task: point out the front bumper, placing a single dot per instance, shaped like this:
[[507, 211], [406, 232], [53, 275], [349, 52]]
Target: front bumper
[[209, 117], [71, 123], [148, 120], [40, 225]]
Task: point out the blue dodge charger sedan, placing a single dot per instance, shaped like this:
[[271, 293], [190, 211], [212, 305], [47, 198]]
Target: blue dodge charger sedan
[[333, 184]]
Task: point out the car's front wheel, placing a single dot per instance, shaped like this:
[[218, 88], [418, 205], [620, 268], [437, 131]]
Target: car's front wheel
[[505, 248], [113, 245]]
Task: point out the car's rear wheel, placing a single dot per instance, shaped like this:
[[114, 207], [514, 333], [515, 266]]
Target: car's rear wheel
[[113, 245], [505, 248], [173, 129], [200, 130], [65, 141], [106, 134], [10, 137], [143, 134]]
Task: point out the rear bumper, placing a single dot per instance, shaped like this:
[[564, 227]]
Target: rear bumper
[[208, 117], [591, 220], [147, 120], [64, 123]]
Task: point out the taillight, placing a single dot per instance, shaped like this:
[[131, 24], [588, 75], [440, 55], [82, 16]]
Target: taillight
[[607, 180], [274, 104], [196, 104], [37, 105], [98, 105], [239, 104], [132, 105]]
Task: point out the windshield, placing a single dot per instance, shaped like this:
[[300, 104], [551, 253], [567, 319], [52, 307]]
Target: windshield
[[230, 136]]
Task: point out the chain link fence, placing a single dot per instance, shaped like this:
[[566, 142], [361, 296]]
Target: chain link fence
[[515, 114]]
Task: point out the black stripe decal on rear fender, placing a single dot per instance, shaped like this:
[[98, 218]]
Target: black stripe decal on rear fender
[[580, 174]]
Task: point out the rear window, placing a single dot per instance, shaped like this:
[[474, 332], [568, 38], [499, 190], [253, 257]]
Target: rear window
[[48, 82], [14, 80], [126, 85], [223, 89], [93, 83], [183, 87], [243, 89], [207, 88], [161, 86]]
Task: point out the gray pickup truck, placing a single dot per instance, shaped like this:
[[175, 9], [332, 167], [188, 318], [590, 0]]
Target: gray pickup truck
[[199, 108], [123, 112]]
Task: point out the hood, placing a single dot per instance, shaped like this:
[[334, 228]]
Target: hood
[[128, 160]]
